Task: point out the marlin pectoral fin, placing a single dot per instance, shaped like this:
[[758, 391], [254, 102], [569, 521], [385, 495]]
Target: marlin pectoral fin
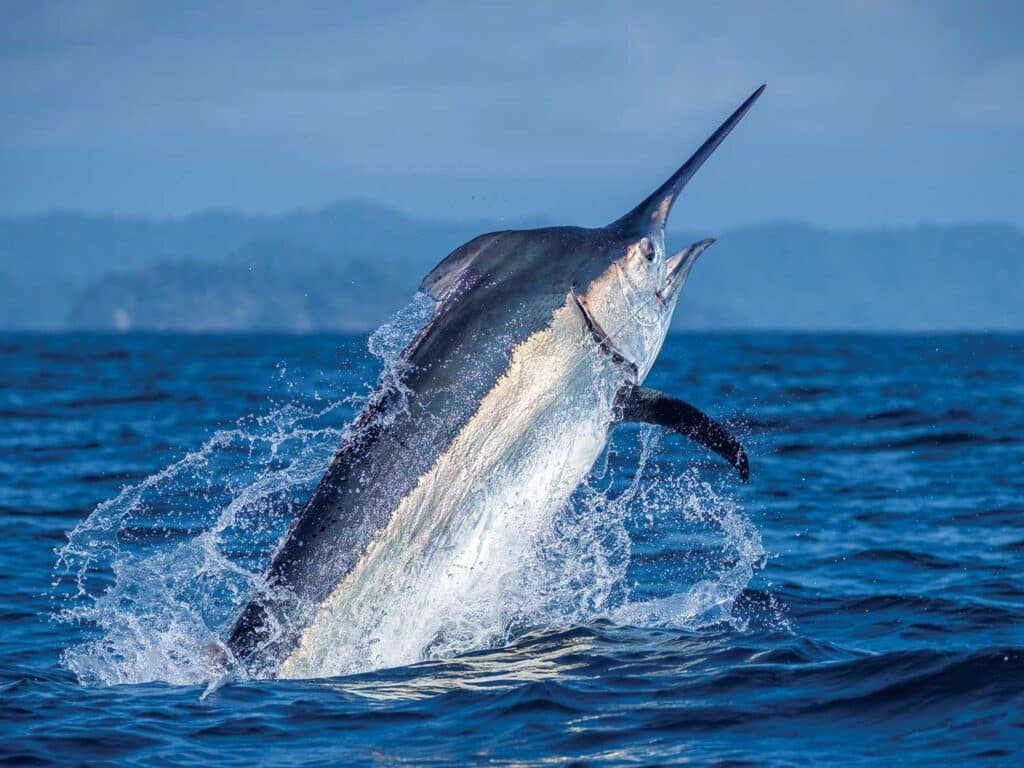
[[641, 404]]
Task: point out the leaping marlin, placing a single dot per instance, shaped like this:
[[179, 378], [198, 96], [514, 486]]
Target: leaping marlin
[[539, 344]]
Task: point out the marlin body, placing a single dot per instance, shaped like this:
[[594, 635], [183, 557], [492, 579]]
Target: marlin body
[[496, 411]]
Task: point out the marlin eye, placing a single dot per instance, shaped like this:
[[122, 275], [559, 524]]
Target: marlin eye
[[647, 248]]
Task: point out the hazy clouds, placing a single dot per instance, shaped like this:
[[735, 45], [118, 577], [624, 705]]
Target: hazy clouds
[[876, 112]]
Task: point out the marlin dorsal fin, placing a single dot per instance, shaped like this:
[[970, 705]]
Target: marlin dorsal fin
[[442, 277]]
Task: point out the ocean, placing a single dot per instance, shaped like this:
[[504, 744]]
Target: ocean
[[859, 602]]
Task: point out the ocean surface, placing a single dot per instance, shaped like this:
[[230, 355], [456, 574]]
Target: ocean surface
[[860, 602]]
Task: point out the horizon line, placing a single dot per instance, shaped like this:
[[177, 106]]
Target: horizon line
[[520, 221]]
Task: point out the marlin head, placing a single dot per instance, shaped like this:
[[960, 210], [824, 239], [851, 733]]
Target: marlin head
[[632, 300]]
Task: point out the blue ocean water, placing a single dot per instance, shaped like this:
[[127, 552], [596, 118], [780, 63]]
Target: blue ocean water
[[861, 601]]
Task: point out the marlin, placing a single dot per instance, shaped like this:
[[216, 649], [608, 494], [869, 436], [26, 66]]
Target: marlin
[[495, 412]]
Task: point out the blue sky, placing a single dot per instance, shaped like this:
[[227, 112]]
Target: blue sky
[[876, 113]]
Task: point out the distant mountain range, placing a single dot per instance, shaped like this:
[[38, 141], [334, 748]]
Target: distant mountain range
[[349, 266]]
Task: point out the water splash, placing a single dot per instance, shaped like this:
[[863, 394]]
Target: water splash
[[387, 342], [156, 575], [720, 575], [157, 572]]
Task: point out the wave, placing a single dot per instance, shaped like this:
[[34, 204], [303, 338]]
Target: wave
[[602, 666]]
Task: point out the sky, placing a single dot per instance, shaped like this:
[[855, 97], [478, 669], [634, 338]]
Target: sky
[[877, 113]]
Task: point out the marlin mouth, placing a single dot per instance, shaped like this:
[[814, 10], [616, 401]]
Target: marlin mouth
[[604, 341], [678, 267]]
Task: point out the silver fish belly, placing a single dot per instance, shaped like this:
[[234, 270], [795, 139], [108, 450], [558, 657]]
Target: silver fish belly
[[455, 538]]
